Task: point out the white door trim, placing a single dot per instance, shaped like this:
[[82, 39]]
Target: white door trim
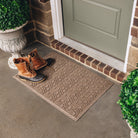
[[57, 19], [56, 10]]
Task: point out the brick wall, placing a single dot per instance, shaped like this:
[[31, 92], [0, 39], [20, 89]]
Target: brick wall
[[29, 29], [134, 31], [39, 28], [41, 14], [133, 51]]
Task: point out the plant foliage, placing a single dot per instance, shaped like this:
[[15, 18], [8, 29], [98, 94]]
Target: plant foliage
[[129, 99], [13, 13]]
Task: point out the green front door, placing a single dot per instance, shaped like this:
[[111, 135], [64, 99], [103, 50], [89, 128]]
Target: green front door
[[100, 24]]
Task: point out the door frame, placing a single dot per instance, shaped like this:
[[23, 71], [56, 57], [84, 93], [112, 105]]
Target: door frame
[[57, 19]]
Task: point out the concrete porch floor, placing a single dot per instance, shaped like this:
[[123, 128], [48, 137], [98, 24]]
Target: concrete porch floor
[[25, 115]]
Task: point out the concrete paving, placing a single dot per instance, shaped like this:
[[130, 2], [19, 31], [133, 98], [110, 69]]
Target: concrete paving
[[25, 115]]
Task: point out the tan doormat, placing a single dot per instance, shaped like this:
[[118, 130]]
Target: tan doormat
[[70, 87]]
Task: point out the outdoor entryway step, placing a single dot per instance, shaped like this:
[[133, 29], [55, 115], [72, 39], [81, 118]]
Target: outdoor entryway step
[[103, 68]]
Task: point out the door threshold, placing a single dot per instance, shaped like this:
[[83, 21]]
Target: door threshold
[[113, 62], [86, 59]]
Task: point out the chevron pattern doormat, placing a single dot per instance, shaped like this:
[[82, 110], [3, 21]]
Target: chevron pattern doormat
[[70, 87]]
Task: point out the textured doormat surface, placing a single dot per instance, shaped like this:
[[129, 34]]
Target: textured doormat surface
[[70, 87]]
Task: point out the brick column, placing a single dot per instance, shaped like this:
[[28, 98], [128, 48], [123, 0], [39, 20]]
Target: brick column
[[133, 51], [41, 14], [29, 29]]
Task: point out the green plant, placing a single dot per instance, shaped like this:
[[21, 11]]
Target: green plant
[[129, 99], [13, 13]]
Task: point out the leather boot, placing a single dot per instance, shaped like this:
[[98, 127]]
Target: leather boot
[[37, 61], [26, 72]]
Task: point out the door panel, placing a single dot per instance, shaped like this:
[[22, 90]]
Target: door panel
[[106, 20], [101, 24]]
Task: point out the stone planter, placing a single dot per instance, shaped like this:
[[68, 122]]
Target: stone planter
[[132, 133], [13, 41]]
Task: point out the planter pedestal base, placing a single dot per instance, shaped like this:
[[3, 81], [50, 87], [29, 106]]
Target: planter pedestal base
[[10, 60], [132, 133], [13, 41]]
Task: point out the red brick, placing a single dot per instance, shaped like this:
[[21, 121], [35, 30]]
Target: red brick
[[44, 28], [101, 67], [83, 57], [121, 76], [136, 12], [54, 42], [114, 73], [44, 18], [67, 50], [63, 47], [30, 37], [89, 60], [134, 32], [95, 63], [58, 45], [107, 70], [72, 52], [41, 4], [135, 22], [77, 55], [44, 38]]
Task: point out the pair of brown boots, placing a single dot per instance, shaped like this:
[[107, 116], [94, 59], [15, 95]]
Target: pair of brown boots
[[27, 67]]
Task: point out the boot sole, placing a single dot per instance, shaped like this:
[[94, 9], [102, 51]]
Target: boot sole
[[34, 81]]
